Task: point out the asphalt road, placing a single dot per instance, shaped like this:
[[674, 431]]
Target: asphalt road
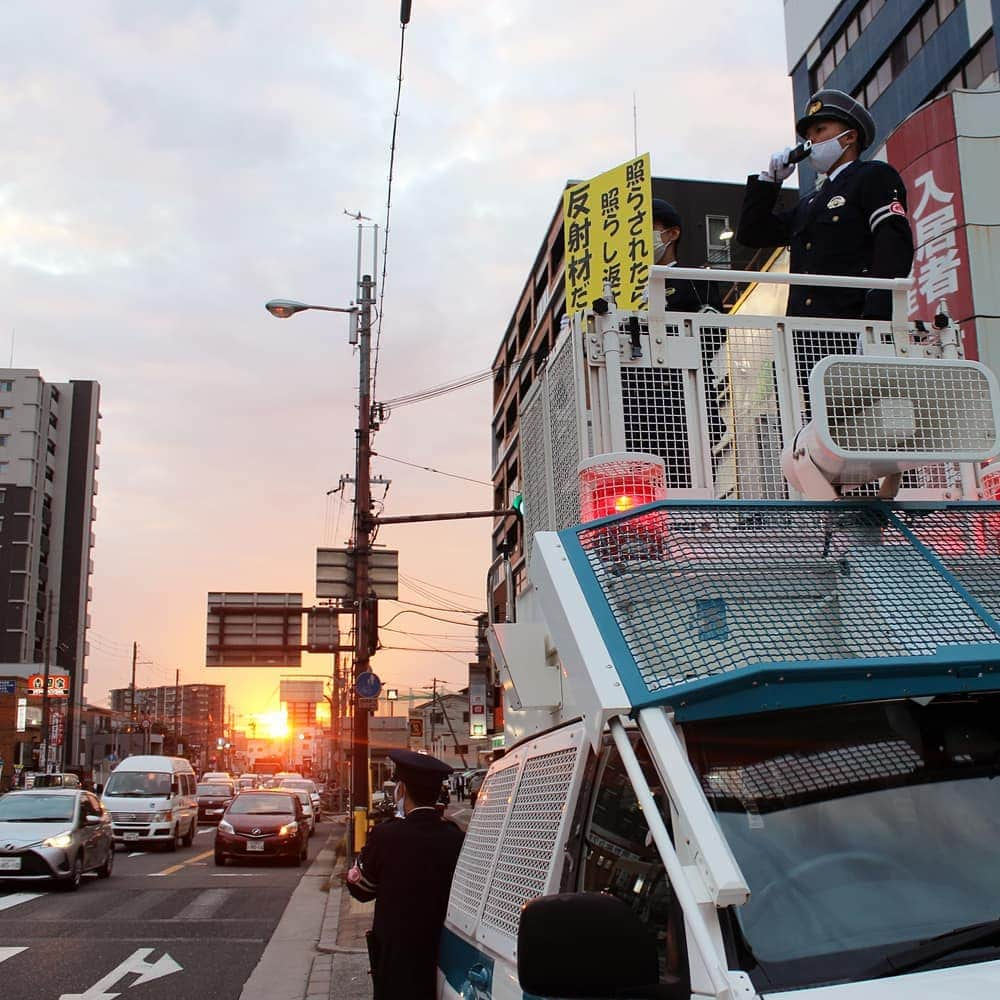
[[164, 926]]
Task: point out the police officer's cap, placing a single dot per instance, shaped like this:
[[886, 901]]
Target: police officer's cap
[[835, 105], [665, 214], [419, 768]]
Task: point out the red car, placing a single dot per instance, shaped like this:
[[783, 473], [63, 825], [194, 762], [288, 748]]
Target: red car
[[263, 824]]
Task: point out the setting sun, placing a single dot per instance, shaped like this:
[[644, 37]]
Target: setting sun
[[272, 725]]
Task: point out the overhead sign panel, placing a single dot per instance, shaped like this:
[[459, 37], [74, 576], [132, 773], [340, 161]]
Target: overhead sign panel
[[254, 630], [296, 691], [608, 230], [335, 573], [324, 630]]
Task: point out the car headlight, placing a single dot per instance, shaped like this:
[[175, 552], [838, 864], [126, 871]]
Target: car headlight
[[289, 829], [61, 840], [163, 817], [226, 827]]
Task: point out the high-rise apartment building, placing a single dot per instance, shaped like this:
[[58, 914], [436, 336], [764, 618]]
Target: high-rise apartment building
[[892, 55], [48, 459], [198, 711]]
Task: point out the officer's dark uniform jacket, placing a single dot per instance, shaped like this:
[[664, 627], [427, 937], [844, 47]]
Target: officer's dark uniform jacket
[[855, 224], [406, 867]]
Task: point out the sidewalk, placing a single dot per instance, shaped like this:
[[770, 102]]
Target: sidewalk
[[317, 951]]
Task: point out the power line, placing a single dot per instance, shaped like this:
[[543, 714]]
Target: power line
[[433, 607], [388, 206], [437, 586], [447, 621], [427, 468], [428, 649]]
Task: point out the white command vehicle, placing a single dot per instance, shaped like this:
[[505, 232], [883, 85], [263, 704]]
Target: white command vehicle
[[752, 732], [152, 800]]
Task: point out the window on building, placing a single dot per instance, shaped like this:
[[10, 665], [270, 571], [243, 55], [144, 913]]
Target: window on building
[[465, 716], [3, 496], [53, 420], [437, 718], [4, 466], [55, 395], [51, 447], [716, 228], [6, 385], [4, 438], [50, 473], [4, 412]]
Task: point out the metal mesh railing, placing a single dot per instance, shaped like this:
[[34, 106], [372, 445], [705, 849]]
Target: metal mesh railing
[[560, 383], [656, 419], [699, 591]]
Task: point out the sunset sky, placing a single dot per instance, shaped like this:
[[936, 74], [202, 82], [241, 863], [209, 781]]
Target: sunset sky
[[170, 165]]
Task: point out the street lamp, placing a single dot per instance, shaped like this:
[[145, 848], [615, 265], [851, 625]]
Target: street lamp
[[283, 308]]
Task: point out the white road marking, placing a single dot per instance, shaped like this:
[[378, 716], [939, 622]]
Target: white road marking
[[237, 874], [137, 854], [205, 829], [135, 963], [207, 903], [6, 902], [6, 953]]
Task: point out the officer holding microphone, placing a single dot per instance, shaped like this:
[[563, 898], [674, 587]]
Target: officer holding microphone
[[854, 224]]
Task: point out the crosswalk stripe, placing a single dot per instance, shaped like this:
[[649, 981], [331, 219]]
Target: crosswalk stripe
[[206, 904], [6, 902], [6, 953]]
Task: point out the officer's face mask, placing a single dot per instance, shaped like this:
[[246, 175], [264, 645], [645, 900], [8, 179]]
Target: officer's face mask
[[659, 246], [824, 155]]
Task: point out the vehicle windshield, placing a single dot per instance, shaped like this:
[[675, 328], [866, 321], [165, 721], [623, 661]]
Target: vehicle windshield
[[262, 805], [860, 829], [138, 784], [301, 793], [216, 791], [24, 807], [302, 783]]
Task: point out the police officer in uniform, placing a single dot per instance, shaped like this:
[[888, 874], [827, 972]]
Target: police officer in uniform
[[682, 295], [854, 224], [406, 867]]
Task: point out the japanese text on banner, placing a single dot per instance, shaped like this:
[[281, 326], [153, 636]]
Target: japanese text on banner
[[608, 229], [938, 262]]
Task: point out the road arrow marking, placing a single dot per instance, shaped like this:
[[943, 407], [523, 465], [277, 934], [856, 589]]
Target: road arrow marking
[[135, 963], [6, 902], [6, 953]]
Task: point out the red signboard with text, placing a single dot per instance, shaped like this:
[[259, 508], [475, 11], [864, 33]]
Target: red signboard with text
[[58, 685], [924, 149]]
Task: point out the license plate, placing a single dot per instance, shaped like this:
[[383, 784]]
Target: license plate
[[10, 864], [215, 812], [131, 835], [255, 845]]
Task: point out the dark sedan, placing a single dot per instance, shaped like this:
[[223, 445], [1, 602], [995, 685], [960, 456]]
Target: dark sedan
[[54, 833], [213, 800], [263, 824]]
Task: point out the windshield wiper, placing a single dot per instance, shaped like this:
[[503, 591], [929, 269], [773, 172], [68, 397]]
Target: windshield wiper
[[949, 943]]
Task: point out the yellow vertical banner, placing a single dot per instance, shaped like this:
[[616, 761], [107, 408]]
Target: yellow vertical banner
[[608, 229]]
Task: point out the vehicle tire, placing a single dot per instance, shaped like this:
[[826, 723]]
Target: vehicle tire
[[109, 864], [312, 830], [174, 841], [220, 859], [189, 836], [72, 881]]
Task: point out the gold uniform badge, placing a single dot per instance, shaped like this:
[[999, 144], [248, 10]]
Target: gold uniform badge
[[814, 107]]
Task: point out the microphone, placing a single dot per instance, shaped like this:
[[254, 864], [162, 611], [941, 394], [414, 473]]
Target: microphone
[[800, 152]]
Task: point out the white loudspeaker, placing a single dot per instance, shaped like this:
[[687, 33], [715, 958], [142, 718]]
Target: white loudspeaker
[[872, 417]]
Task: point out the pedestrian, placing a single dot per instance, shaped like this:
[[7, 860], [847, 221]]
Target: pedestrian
[[854, 224], [681, 294], [406, 866]]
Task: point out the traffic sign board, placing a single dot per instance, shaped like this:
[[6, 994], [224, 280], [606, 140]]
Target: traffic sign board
[[367, 704], [368, 685]]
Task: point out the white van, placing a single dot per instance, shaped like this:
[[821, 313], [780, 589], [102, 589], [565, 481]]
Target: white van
[[152, 799]]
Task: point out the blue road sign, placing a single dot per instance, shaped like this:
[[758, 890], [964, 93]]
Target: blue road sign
[[8, 687], [368, 685]]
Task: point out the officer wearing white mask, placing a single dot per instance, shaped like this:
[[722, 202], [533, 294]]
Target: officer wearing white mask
[[854, 224]]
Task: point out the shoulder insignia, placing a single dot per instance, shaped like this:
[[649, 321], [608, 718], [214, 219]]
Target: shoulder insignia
[[669, 291], [896, 208], [836, 201]]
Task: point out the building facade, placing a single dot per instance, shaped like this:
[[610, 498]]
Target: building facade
[[892, 56], [197, 712], [446, 731], [49, 435]]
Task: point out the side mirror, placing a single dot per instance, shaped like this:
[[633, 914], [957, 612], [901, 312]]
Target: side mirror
[[91, 820], [586, 945], [99, 790]]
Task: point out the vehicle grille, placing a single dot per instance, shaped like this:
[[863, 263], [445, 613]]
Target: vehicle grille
[[126, 817]]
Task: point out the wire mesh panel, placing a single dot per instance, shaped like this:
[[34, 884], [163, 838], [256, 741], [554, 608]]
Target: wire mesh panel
[[564, 431], [476, 860], [535, 472], [527, 852], [702, 591], [656, 419], [786, 781]]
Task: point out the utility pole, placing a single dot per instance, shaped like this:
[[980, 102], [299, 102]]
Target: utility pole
[[434, 705], [133, 715], [177, 708], [363, 524], [46, 633]]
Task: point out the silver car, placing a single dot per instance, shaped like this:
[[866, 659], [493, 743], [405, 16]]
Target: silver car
[[307, 784], [306, 799], [54, 833]]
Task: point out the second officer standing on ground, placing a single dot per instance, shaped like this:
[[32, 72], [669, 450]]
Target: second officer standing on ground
[[855, 224]]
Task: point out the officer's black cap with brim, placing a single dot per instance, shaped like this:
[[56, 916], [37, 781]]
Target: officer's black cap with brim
[[419, 769], [835, 105], [665, 214]]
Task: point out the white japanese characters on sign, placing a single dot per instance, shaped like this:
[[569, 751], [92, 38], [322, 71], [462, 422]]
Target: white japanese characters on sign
[[937, 261]]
